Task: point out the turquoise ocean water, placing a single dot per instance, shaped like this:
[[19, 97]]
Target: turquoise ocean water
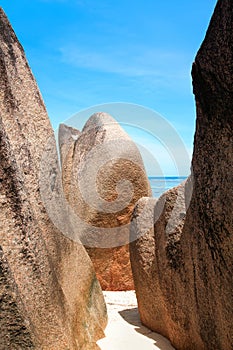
[[161, 184]]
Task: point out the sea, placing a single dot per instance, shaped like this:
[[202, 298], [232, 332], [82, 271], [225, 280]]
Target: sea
[[159, 185]]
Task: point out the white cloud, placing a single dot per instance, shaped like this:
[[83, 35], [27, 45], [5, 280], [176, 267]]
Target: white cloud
[[132, 62]]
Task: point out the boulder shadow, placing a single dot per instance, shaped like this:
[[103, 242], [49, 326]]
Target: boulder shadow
[[132, 316]]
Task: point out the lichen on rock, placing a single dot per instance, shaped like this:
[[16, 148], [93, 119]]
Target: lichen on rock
[[44, 276], [184, 291]]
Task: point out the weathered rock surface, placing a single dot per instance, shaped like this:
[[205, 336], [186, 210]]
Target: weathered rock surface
[[156, 259], [183, 271], [49, 295], [67, 136], [103, 177]]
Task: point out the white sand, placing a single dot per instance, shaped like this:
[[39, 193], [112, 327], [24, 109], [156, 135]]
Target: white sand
[[124, 330]]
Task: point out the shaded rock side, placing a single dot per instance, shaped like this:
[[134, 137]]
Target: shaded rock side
[[185, 292], [50, 298], [157, 263], [103, 177]]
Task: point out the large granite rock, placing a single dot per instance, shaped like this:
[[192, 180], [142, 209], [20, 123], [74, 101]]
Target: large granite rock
[[103, 177], [182, 266], [49, 295]]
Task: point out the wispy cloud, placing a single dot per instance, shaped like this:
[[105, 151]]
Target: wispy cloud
[[132, 62]]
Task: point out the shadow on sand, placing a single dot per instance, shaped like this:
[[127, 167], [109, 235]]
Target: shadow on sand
[[132, 316]]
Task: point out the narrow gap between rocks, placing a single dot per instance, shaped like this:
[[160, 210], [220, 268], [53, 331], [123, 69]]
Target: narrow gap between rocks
[[124, 329]]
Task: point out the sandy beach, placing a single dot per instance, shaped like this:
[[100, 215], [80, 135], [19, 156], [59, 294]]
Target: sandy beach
[[124, 330]]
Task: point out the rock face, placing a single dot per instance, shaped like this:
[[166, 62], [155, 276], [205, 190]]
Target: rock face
[[103, 177], [157, 261], [183, 276], [49, 295]]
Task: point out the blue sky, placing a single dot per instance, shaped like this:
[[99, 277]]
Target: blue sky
[[85, 53]]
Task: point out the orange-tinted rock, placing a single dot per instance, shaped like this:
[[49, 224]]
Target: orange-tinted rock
[[49, 296], [184, 279], [113, 268], [103, 177]]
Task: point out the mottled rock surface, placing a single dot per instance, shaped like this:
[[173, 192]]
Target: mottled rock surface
[[157, 259], [103, 177], [49, 296], [67, 136], [183, 277]]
